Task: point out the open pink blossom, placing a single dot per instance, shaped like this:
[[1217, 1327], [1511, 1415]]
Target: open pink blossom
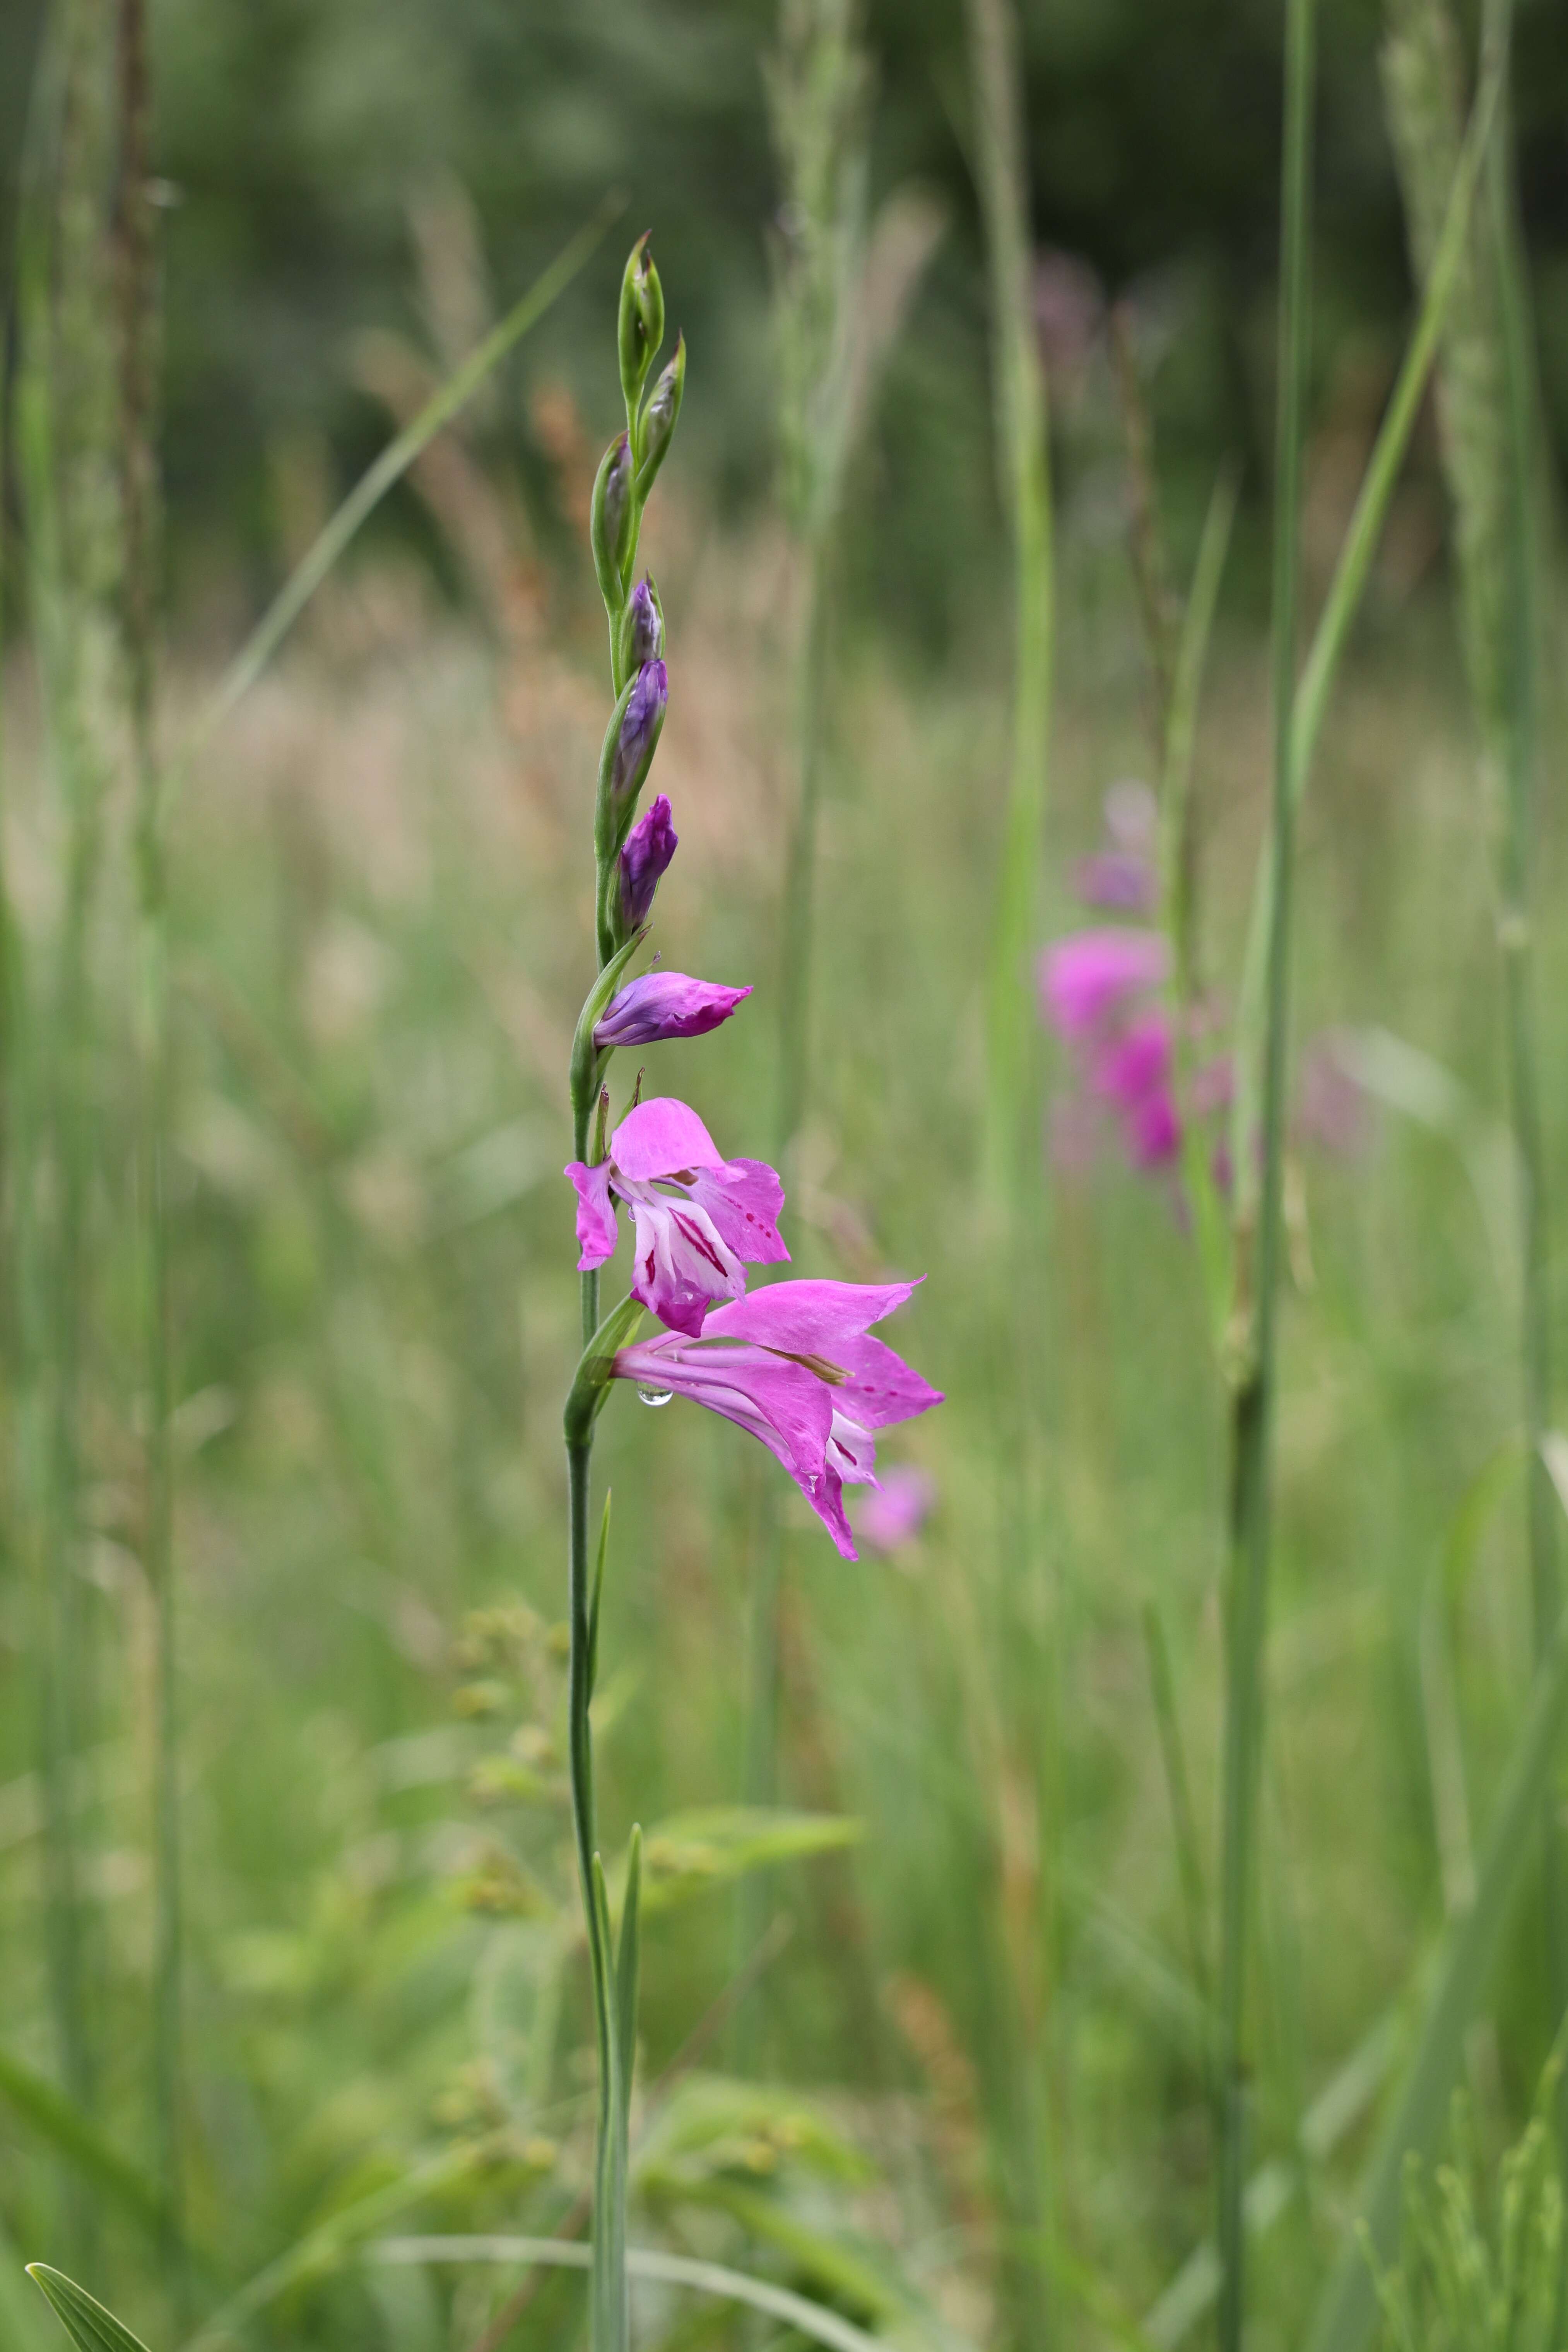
[[697, 1220], [662, 1004], [1088, 979], [794, 1365], [895, 1510]]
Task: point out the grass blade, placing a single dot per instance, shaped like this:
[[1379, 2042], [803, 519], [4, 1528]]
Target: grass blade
[[813, 2319], [394, 463], [1354, 565], [1023, 455], [90, 2327], [1257, 1254]]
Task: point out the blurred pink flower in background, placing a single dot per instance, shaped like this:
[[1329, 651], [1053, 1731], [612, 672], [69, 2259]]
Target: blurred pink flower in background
[[1122, 876], [1332, 1110], [1091, 979], [895, 1510], [1096, 992], [1102, 992]]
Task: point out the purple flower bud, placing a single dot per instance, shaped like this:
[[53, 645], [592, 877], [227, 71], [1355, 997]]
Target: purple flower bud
[[644, 627], [666, 1004], [640, 725], [649, 849]]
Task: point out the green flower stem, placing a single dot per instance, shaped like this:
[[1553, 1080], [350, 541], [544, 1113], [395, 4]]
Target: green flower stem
[[650, 423], [1247, 1595], [608, 2315]]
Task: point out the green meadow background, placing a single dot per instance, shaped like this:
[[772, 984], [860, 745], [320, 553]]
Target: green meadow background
[[960, 2092]]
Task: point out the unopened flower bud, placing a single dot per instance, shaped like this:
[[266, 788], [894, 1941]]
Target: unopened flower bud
[[658, 418], [645, 856], [610, 520], [642, 629], [641, 327], [664, 1004], [639, 737]]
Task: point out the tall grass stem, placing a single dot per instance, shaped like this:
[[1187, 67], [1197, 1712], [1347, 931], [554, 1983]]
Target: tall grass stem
[[1259, 1255], [136, 307], [1023, 480]]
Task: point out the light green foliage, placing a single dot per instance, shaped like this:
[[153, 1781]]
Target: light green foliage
[[1481, 2251], [1000, 1860]]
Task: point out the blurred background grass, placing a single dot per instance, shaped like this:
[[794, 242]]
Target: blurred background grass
[[380, 932]]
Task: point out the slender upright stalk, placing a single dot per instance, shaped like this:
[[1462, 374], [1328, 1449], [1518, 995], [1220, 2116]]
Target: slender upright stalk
[[638, 684], [65, 417], [1486, 410], [1516, 944], [1259, 1255], [818, 87], [136, 299], [1024, 475], [609, 2285]]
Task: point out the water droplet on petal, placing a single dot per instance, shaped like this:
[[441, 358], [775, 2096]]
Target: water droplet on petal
[[654, 1396]]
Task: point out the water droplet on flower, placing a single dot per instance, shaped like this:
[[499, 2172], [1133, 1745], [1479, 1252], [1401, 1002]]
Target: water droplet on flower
[[654, 1396]]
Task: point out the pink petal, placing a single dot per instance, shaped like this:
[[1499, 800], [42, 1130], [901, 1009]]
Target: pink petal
[[681, 1264], [810, 1318], [595, 1214], [852, 1451], [881, 1388], [744, 1198], [660, 1137]]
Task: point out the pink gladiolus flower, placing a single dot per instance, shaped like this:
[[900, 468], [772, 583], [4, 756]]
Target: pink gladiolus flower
[[697, 1219], [794, 1366], [1087, 979], [665, 1004], [895, 1510]]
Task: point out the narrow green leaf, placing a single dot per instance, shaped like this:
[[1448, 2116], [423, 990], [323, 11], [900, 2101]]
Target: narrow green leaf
[[838, 2269], [821, 2325], [1351, 574], [394, 461], [85, 2321]]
